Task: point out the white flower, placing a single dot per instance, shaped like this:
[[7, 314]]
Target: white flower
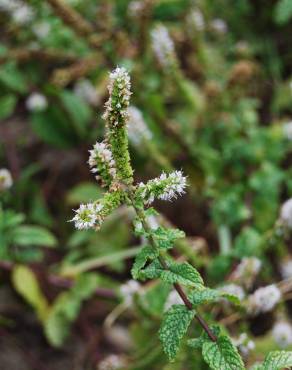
[[264, 299], [23, 14], [9, 5], [101, 161], [86, 216], [196, 19], [242, 47], [128, 290], [136, 7], [173, 298], [137, 128], [163, 46], [244, 344], [36, 102], [282, 333], [112, 362], [5, 179], [41, 29], [165, 187], [233, 289], [86, 91], [286, 213], [219, 26], [286, 268], [247, 270], [119, 89], [287, 130]]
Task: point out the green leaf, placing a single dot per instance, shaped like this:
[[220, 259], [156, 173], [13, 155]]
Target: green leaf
[[142, 257], [66, 308], [174, 326], [277, 360], [31, 235], [165, 238], [207, 295], [182, 273], [83, 193], [53, 127], [283, 11], [222, 354], [12, 78], [153, 301], [78, 110], [26, 284], [7, 105]]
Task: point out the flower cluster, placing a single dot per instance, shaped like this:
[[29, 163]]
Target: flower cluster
[[5, 179], [219, 26], [196, 19], [286, 268], [233, 289], [36, 102], [85, 90], [87, 216], [41, 29], [247, 270], [287, 130], [137, 128], [172, 299], [163, 46], [244, 344], [282, 334], [119, 90], [286, 213], [101, 161], [128, 290], [165, 187], [264, 299], [19, 11], [112, 362]]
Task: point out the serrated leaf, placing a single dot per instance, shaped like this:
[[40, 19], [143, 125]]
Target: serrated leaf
[[142, 257], [277, 360], [182, 273], [165, 238], [174, 326], [207, 295], [31, 235], [26, 284], [222, 354], [152, 271]]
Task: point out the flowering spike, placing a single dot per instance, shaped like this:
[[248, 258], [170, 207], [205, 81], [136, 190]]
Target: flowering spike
[[165, 187], [163, 46], [137, 128], [116, 115], [101, 161], [5, 179], [119, 89], [264, 299]]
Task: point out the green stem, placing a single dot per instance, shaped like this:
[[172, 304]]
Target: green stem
[[140, 213], [99, 261]]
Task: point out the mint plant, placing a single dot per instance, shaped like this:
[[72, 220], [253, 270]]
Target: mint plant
[[110, 162]]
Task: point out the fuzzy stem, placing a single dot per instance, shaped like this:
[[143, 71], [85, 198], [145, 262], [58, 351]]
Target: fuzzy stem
[[177, 287]]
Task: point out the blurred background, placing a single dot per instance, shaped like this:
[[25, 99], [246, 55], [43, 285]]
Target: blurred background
[[212, 95]]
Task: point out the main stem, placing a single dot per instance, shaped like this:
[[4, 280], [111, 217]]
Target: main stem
[[176, 286]]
